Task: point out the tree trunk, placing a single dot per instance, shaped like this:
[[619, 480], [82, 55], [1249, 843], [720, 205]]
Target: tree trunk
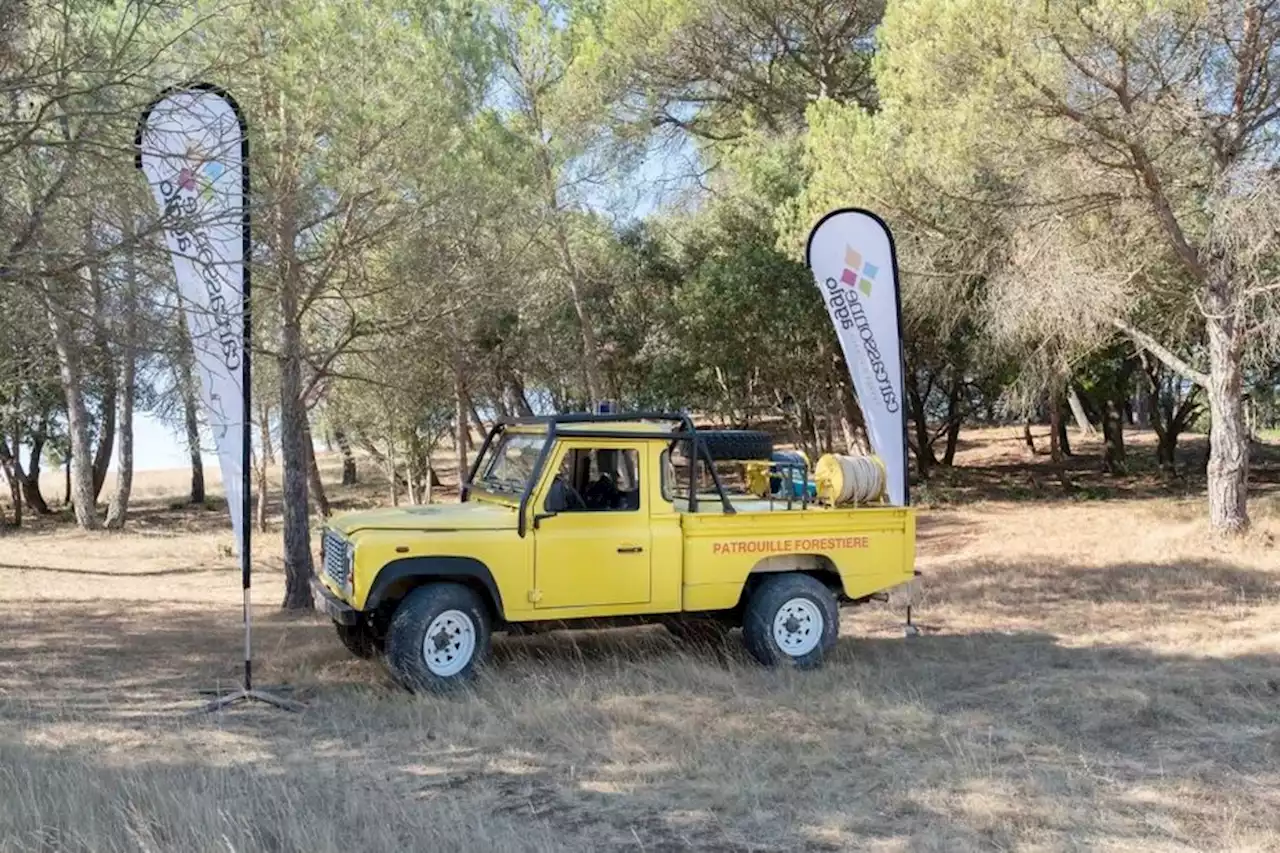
[[476, 420], [66, 471], [1113, 455], [190, 417], [925, 460], [1167, 452], [518, 395], [953, 443], [295, 455], [107, 429], [393, 476], [431, 479], [1055, 427], [460, 431], [1151, 371], [816, 423], [851, 422], [350, 476], [1077, 411], [119, 507], [955, 418], [31, 493], [260, 512], [413, 481], [807, 430], [80, 489], [296, 458], [263, 459], [26, 482], [106, 441], [828, 429], [590, 352], [417, 467], [316, 485], [106, 370], [1228, 467], [1027, 438], [1058, 437], [264, 431], [1064, 442], [10, 465]]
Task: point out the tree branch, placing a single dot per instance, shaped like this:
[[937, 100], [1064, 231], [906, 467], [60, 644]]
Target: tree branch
[[1165, 355]]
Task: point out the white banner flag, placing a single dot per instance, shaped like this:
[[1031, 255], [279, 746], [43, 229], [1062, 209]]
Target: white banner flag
[[853, 261], [191, 147]]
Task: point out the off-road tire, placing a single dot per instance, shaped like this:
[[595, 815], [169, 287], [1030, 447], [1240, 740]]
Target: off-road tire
[[815, 610], [359, 640], [737, 445], [416, 613]]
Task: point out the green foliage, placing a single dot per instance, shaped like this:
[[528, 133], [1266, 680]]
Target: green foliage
[[437, 185]]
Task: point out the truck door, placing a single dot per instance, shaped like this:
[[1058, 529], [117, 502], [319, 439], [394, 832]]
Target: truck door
[[591, 545]]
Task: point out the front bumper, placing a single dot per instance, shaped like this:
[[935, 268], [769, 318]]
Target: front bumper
[[326, 602]]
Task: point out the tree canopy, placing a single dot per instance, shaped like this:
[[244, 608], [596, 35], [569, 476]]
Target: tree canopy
[[1083, 194]]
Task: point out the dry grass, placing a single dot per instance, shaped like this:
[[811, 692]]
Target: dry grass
[[1096, 675]]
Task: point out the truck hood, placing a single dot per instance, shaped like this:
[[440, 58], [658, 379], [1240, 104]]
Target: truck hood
[[468, 516]]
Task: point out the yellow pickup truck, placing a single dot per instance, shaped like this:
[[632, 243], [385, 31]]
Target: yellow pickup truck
[[598, 521]]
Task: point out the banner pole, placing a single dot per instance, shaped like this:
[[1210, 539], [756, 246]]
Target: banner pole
[[246, 481]]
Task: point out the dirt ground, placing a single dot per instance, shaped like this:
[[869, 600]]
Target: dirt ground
[[1096, 673]]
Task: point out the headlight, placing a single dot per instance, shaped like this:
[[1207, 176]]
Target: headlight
[[351, 565]]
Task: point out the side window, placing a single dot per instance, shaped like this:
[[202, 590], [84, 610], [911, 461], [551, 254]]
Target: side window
[[597, 480]]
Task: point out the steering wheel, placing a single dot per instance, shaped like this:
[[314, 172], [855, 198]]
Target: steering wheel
[[572, 500]]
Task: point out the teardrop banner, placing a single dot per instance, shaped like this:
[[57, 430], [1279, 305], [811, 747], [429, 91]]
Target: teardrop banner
[[193, 147], [854, 263]]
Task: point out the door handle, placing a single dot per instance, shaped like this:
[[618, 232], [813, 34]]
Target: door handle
[[630, 549]]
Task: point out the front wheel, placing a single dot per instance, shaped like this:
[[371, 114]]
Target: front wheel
[[439, 635], [791, 619]]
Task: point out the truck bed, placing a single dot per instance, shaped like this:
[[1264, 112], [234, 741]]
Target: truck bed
[[871, 549]]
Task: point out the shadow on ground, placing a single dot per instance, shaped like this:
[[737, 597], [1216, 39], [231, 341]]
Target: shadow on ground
[[1018, 475], [950, 741]]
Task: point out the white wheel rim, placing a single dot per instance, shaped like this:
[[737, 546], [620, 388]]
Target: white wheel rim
[[797, 627], [449, 643]]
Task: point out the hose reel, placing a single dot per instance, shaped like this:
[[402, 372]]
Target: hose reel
[[849, 479]]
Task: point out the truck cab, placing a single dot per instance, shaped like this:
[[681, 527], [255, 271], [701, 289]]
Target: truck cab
[[589, 520]]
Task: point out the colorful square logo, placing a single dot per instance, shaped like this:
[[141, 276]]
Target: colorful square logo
[[858, 273]]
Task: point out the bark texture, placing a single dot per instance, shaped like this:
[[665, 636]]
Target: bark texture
[[81, 491], [1228, 467]]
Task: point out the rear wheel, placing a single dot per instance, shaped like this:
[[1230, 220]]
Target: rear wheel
[[791, 619], [438, 637]]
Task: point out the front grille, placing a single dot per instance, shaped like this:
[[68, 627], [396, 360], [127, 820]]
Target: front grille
[[334, 548]]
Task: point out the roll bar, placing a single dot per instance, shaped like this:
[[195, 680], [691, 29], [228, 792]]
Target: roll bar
[[683, 431]]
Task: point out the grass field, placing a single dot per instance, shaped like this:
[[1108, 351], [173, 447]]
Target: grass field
[[1096, 673]]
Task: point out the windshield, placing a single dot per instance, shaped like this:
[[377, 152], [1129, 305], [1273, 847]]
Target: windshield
[[510, 465]]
